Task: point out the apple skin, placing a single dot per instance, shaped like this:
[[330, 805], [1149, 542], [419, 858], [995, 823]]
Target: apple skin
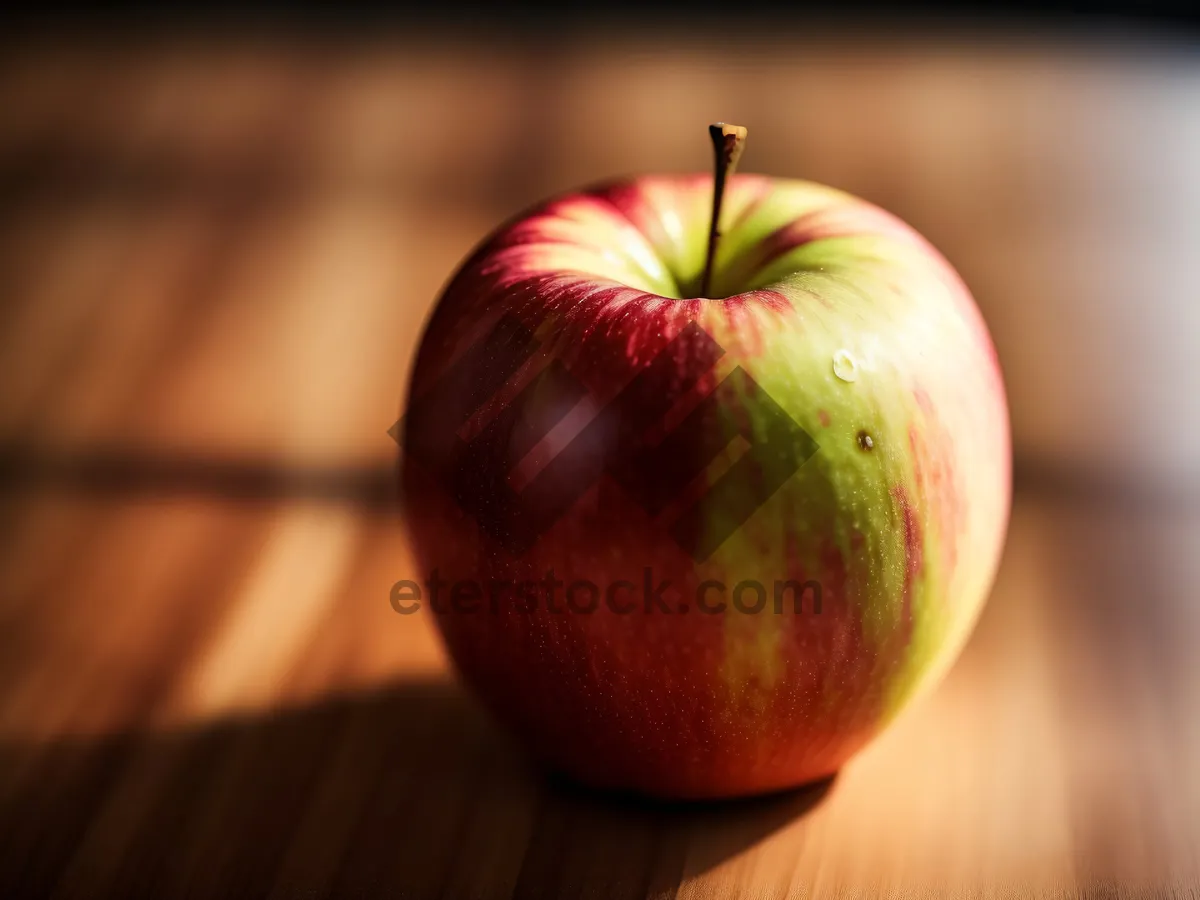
[[902, 532]]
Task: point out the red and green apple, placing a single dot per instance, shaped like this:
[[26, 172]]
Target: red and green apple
[[844, 318]]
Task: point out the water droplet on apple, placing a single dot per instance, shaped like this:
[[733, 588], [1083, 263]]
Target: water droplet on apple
[[845, 366]]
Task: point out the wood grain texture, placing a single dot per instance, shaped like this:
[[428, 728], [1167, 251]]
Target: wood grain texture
[[214, 262]]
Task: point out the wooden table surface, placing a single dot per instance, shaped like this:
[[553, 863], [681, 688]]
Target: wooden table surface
[[210, 287]]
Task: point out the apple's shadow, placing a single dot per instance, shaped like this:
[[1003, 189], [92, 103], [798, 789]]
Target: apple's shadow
[[407, 791]]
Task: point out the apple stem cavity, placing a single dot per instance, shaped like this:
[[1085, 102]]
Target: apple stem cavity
[[728, 143]]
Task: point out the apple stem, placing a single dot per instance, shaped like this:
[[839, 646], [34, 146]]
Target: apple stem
[[728, 143]]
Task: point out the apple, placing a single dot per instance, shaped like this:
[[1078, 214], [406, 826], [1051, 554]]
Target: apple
[[707, 476]]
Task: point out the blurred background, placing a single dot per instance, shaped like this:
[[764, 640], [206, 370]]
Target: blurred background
[[219, 237]]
